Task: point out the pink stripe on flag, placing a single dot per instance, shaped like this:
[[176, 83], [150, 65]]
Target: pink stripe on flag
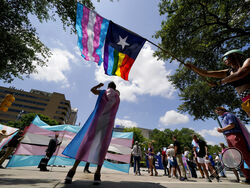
[[117, 157], [37, 130], [27, 149], [96, 42], [85, 20], [122, 141]]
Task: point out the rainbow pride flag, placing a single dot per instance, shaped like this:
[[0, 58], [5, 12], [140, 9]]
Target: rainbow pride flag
[[120, 50], [91, 30]]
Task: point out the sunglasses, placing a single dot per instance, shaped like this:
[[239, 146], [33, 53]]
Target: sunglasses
[[225, 58]]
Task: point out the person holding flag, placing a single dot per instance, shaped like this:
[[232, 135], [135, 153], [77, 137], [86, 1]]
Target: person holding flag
[[238, 75]]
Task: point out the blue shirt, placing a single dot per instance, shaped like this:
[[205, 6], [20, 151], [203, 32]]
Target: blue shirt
[[228, 118]]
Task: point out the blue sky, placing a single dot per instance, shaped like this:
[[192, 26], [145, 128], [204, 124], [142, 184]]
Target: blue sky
[[148, 99]]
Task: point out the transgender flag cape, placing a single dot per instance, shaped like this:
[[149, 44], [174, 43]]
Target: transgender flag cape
[[92, 141]]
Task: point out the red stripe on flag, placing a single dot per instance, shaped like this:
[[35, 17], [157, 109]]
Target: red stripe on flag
[[127, 63]]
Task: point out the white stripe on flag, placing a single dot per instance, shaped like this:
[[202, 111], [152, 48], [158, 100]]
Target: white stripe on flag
[[119, 149], [90, 31]]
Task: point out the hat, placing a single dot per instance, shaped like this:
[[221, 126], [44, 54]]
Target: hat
[[237, 51], [171, 146], [136, 142]]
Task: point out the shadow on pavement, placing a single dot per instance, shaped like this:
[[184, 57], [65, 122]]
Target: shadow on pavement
[[21, 181], [109, 184]]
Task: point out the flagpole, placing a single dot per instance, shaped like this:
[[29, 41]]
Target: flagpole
[[182, 62]]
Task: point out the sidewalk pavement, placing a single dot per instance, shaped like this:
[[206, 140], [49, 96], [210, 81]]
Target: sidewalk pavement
[[25, 177]]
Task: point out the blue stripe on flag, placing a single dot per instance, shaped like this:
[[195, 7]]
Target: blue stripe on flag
[[79, 15], [119, 167], [38, 122], [111, 61], [128, 135], [103, 33]]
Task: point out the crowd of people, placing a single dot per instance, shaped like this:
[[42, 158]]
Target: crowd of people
[[178, 163]]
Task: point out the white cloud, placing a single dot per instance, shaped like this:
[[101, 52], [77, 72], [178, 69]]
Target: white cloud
[[209, 132], [55, 70], [173, 118], [125, 123], [147, 76]]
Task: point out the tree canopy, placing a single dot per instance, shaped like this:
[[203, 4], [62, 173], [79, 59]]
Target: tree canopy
[[26, 120], [137, 134], [21, 50], [200, 32]]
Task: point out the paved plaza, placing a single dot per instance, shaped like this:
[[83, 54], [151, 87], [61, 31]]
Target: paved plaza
[[23, 177]]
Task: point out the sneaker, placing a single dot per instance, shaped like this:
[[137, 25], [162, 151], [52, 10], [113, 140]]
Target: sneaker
[[97, 179], [87, 171], [218, 179], [69, 177], [209, 180], [44, 169], [182, 179]]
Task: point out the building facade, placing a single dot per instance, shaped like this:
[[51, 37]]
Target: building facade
[[53, 105]]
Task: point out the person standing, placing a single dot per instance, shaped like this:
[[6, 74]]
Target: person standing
[[11, 146], [238, 75], [189, 159], [164, 159], [178, 155], [237, 136], [53, 143], [201, 154], [91, 143], [171, 161], [151, 154], [137, 154]]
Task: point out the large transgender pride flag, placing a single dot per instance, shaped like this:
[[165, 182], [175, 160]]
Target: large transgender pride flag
[[32, 148], [91, 30]]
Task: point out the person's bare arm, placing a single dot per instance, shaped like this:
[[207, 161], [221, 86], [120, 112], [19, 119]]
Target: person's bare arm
[[213, 74], [12, 133], [228, 127], [95, 89], [241, 73]]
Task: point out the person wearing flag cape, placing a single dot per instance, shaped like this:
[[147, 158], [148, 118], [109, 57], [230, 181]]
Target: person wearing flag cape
[[92, 141], [237, 136]]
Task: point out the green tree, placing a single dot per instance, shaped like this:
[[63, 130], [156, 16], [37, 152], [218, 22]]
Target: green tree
[[26, 120], [137, 134], [200, 31], [214, 149], [21, 51]]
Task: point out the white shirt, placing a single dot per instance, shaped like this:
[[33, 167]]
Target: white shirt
[[136, 151]]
